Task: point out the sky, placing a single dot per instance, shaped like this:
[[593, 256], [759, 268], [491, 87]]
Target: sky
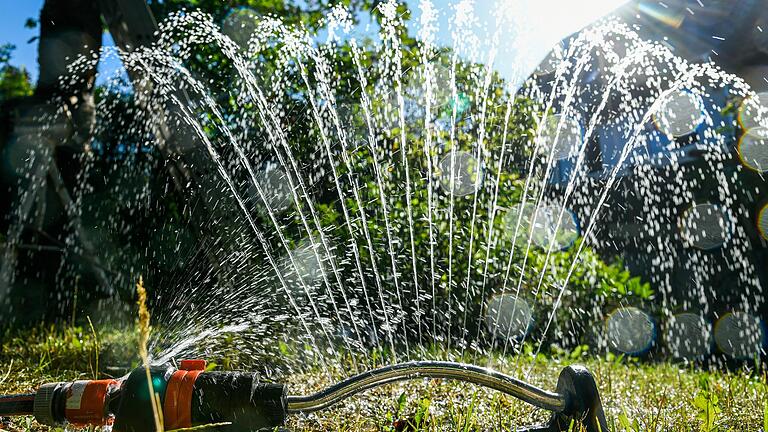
[[527, 29]]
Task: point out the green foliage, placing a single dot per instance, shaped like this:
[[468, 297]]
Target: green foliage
[[627, 425], [52, 349], [14, 81], [765, 415], [707, 405], [615, 280], [6, 51]]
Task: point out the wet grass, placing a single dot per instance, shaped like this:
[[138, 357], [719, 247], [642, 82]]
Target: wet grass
[[637, 396]]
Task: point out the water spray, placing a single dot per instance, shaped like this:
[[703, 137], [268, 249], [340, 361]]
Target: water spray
[[191, 396]]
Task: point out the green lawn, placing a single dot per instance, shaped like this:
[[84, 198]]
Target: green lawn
[[637, 397]]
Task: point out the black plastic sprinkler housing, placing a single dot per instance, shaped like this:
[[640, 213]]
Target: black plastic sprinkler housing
[[190, 396]]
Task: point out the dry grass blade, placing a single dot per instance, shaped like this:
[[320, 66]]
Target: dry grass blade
[[201, 427], [144, 329]]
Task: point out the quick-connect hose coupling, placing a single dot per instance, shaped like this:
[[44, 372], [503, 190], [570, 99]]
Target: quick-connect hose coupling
[[79, 403], [191, 397]]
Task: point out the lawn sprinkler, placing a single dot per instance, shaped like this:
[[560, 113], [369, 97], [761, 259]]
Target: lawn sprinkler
[[239, 401]]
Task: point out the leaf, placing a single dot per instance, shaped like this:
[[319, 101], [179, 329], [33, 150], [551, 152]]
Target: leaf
[[624, 422], [401, 401], [708, 409], [422, 412]]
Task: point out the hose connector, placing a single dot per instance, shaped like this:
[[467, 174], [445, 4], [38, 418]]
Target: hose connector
[[79, 403]]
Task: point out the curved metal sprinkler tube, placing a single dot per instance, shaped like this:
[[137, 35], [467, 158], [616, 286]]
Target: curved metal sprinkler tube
[[192, 396], [427, 369]]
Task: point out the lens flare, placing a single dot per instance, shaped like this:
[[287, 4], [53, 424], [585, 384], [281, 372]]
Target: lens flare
[[630, 331], [460, 173], [460, 103], [508, 317], [740, 335], [561, 137], [664, 15], [753, 112], [762, 221], [753, 149], [680, 114], [705, 226], [688, 336]]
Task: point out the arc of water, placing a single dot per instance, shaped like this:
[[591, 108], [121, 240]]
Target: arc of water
[[361, 212], [259, 235], [452, 185], [388, 10], [479, 157], [366, 104], [572, 182], [427, 31], [529, 185], [328, 95], [208, 32], [677, 84], [492, 205], [581, 64], [244, 161], [393, 37], [340, 130], [275, 133]]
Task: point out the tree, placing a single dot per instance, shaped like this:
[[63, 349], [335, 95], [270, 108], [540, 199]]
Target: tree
[[14, 81]]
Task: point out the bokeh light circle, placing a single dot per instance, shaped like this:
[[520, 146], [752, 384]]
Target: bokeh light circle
[[23, 152], [688, 336], [753, 112], [239, 25], [508, 317], [740, 335], [680, 114], [517, 222], [275, 187], [441, 91], [460, 173], [705, 226], [561, 137], [753, 149], [630, 330], [762, 221], [525, 221], [547, 231]]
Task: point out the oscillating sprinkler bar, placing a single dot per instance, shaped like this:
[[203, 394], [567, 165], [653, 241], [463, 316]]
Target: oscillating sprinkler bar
[[427, 369], [190, 396]]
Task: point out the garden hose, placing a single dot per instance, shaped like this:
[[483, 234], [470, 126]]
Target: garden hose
[[238, 401], [14, 405]]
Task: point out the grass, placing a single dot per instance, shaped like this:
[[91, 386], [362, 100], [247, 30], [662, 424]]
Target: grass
[[637, 396]]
